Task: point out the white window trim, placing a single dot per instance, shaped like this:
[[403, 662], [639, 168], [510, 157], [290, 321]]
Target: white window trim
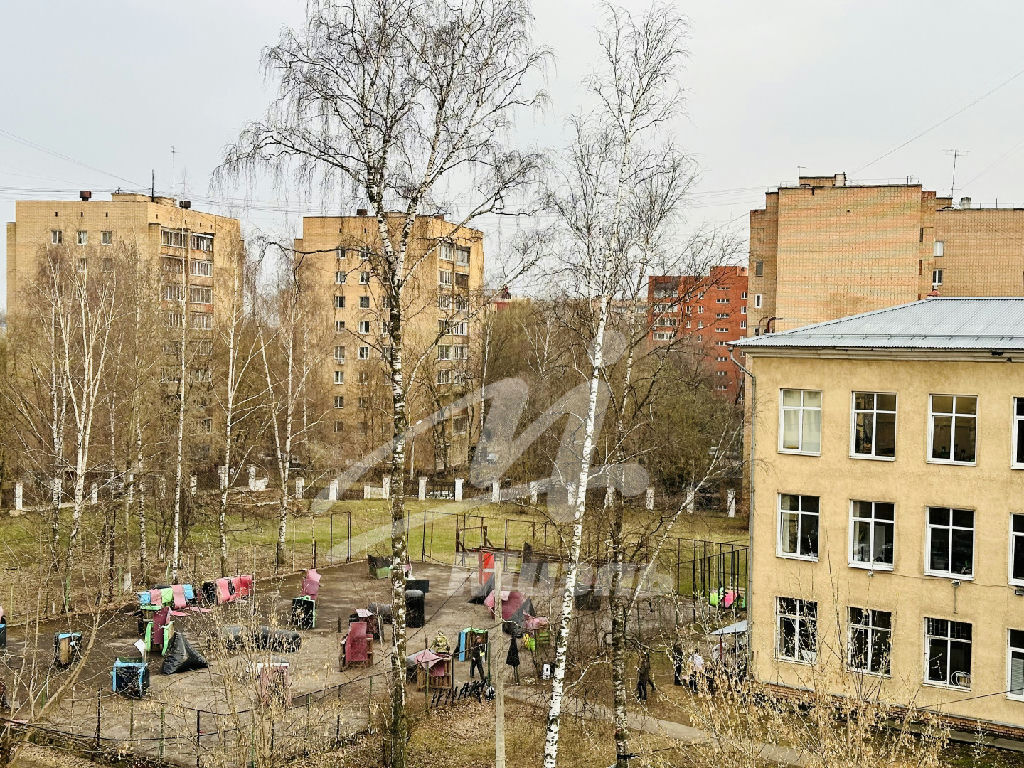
[[1011, 696], [778, 530], [870, 566], [931, 431], [821, 409], [849, 644], [1009, 556], [928, 547], [795, 660], [853, 425], [936, 683], [1016, 422]]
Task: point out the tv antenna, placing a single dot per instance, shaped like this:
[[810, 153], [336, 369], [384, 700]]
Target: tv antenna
[[957, 154]]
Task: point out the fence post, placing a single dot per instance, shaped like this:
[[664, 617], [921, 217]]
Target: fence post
[[331, 550], [161, 731], [349, 558], [97, 721], [198, 736]]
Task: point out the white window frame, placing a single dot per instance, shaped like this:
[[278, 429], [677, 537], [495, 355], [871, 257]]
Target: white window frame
[[340, 276], [871, 630], [364, 302], [83, 237], [200, 268], [799, 513], [951, 527], [1018, 424], [199, 294], [875, 410], [339, 378], [339, 326], [444, 277], [952, 430], [1010, 648], [799, 618], [949, 640], [339, 302], [364, 326], [56, 237], [339, 354], [939, 249], [757, 301], [936, 278], [364, 352], [800, 421], [1009, 559], [106, 237], [364, 278], [872, 521], [339, 401], [462, 255]]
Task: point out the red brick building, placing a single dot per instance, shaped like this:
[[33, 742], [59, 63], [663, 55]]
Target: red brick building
[[710, 309]]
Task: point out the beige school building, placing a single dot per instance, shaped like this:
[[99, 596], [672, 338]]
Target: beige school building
[[887, 507]]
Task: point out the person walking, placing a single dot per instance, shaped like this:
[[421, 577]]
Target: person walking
[[643, 675], [476, 661], [512, 659]]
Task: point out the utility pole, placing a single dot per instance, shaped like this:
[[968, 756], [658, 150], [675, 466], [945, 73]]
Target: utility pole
[[499, 677]]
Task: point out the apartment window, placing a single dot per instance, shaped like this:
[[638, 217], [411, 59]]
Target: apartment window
[[663, 335], [339, 302], [364, 278], [796, 623], [201, 268], [743, 311], [461, 280], [107, 265], [364, 253], [339, 326], [204, 347], [339, 377], [954, 428], [444, 302], [743, 323], [800, 421], [462, 255], [339, 401], [444, 376], [757, 301], [339, 426], [339, 354], [798, 526], [444, 352], [721, 330], [172, 292], [460, 352], [1018, 433], [199, 295], [362, 403], [873, 433], [936, 278], [364, 326], [340, 276], [169, 373], [205, 425], [940, 247], [174, 319], [363, 377], [202, 321], [56, 236], [870, 645], [106, 237], [444, 277], [446, 250], [721, 300], [364, 353], [174, 238], [744, 297], [872, 532], [948, 652], [721, 359], [721, 315], [1015, 665], [364, 302], [950, 542], [202, 242], [460, 328], [700, 324], [83, 237], [172, 265], [1017, 549], [758, 269], [700, 310]]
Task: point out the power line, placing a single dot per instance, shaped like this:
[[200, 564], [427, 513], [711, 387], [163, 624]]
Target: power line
[[61, 155]]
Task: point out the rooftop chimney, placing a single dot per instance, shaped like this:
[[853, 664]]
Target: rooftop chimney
[[186, 204], [86, 195], [361, 212], [965, 202]]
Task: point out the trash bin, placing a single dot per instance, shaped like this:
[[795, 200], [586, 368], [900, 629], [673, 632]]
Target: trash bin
[[415, 609], [304, 612]]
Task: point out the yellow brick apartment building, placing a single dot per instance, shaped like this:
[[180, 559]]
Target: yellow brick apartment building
[[887, 523], [445, 267], [825, 249]]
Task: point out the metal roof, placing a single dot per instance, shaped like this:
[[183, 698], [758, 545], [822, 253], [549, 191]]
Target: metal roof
[[933, 323]]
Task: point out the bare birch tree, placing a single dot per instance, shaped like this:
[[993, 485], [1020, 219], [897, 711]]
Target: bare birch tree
[[400, 99], [617, 150]]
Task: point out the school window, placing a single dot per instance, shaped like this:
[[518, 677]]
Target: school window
[[339, 302], [364, 326], [936, 278], [758, 269], [954, 429], [83, 237], [874, 425], [339, 277], [444, 277], [798, 526], [339, 377], [872, 532], [339, 401], [199, 295], [339, 354], [1015, 664], [800, 421], [796, 623], [106, 237], [364, 302], [757, 301], [1017, 549], [364, 278], [870, 643], [1017, 459], [364, 353], [940, 248], [950, 543], [948, 652], [339, 326], [56, 236], [201, 268]]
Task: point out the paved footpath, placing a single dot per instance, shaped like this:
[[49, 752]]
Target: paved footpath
[[684, 734]]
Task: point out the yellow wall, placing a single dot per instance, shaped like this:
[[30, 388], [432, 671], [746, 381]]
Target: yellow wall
[[991, 488]]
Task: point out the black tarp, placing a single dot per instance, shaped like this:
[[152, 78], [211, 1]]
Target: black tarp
[[281, 640], [182, 657]]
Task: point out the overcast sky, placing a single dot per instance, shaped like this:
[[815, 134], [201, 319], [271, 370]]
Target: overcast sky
[[771, 87]]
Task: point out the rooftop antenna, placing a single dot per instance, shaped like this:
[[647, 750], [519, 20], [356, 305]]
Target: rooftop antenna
[[152, 185], [174, 152], [956, 153]]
